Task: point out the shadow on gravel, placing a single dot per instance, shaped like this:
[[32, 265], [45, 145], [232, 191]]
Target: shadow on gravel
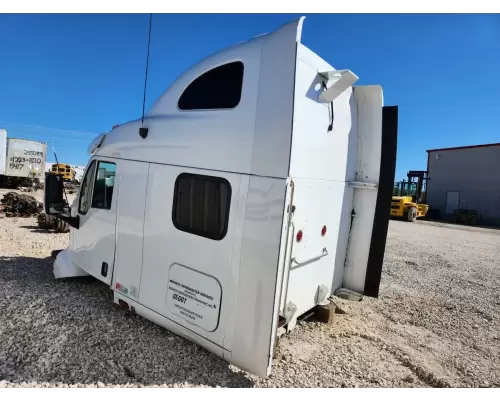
[[70, 332], [37, 229]]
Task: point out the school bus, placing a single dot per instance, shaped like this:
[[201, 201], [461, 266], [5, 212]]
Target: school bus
[[65, 170]]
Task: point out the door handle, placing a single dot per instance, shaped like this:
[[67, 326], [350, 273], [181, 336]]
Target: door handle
[[104, 269], [323, 254]]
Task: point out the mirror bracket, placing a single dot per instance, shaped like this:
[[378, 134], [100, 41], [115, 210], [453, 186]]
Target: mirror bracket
[[74, 222]]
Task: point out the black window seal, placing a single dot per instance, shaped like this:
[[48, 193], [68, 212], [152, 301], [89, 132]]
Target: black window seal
[[227, 210]]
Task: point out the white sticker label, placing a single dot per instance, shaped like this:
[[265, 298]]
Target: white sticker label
[[194, 296]]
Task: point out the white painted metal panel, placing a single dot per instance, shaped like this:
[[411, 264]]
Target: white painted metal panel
[[165, 245], [64, 267], [94, 242], [252, 334], [232, 290], [318, 203], [369, 149], [316, 152], [130, 225], [273, 120], [214, 139], [253, 138]]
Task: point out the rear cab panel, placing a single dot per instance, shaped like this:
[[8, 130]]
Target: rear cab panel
[[336, 160], [322, 161]]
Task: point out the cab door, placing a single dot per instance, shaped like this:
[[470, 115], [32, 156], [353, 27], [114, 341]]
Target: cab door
[[94, 242]]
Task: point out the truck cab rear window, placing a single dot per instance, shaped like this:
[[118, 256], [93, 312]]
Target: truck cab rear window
[[201, 205], [217, 89]]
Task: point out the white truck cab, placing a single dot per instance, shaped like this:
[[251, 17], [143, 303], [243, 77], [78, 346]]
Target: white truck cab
[[258, 186]]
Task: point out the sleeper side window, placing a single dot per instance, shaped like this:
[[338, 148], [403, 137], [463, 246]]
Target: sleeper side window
[[104, 185], [201, 205], [217, 89], [86, 189]]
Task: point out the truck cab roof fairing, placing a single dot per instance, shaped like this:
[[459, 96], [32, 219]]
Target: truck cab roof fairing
[[253, 137]]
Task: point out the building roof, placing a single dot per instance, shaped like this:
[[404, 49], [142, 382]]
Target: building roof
[[465, 147]]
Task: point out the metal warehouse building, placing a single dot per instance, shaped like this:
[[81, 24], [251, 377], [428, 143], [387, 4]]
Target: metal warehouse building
[[465, 177]]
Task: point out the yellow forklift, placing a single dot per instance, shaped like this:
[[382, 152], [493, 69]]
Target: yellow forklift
[[408, 199]]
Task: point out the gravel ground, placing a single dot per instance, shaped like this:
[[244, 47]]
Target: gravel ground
[[436, 323]]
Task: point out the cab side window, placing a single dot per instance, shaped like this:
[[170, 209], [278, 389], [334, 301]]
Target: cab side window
[[217, 89], [104, 185], [201, 205], [86, 189], [97, 186]]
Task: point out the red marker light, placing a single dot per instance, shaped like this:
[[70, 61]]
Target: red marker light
[[299, 236], [323, 230], [118, 285]]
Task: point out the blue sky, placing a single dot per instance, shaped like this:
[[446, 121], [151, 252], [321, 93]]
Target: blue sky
[[65, 78]]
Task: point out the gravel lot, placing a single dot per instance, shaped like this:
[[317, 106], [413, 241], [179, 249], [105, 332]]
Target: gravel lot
[[435, 324]]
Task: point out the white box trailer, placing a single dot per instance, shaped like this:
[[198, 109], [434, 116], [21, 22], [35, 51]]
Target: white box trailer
[[259, 186], [3, 150], [20, 157]]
